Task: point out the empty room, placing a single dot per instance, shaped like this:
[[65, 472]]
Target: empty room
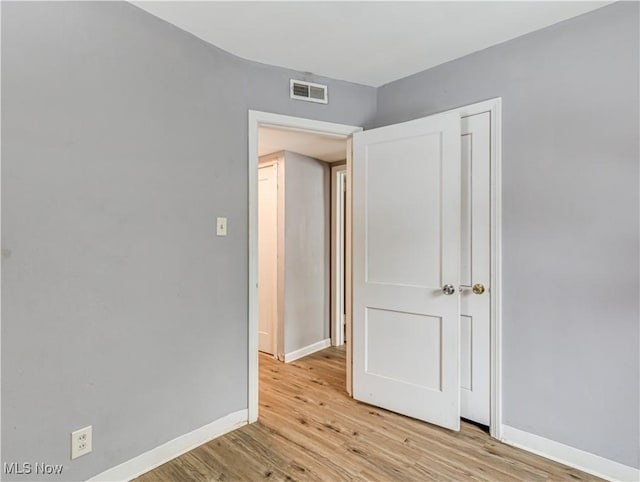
[[305, 240]]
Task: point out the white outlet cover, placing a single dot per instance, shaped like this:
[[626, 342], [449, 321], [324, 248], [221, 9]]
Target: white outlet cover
[[81, 442], [221, 226]]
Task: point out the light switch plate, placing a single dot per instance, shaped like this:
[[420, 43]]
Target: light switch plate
[[221, 226]]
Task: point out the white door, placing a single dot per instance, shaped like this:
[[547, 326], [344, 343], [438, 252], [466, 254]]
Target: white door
[[475, 269], [267, 257], [338, 233], [406, 254]]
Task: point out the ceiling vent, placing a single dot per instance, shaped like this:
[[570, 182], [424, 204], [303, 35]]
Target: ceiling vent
[[309, 91]]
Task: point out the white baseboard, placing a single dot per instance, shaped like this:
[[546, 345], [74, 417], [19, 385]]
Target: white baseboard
[[573, 457], [307, 350], [164, 453]]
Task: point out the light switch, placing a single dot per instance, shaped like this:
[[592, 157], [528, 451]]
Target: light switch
[[221, 226]]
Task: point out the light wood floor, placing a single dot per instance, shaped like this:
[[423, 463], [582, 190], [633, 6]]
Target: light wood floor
[[309, 429]]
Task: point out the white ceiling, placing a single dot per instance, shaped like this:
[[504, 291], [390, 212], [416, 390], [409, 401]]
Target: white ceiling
[[370, 43], [322, 147]]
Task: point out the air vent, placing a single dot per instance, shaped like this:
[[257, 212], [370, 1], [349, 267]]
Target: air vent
[[308, 91]]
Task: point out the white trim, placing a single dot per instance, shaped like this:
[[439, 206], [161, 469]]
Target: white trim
[[573, 457], [279, 353], [147, 461], [256, 119], [338, 174], [496, 268], [348, 257], [307, 350], [1, 453]]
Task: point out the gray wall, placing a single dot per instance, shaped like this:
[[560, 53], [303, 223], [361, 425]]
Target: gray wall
[[123, 138], [570, 222], [306, 257]]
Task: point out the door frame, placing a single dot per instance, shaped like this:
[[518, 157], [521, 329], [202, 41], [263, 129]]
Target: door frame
[[338, 251], [257, 119]]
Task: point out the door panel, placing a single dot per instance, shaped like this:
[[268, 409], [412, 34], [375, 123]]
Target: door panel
[[387, 262], [267, 257], [389, 354], [406, 246], [475, 268]]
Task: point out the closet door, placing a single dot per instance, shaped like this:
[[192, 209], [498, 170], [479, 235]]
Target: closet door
[[267, 257], [475, 269]]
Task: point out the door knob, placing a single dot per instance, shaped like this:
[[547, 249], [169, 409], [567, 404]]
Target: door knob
[[478, 288], [448, 289]]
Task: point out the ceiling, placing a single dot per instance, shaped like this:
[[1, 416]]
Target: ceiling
[[323, 147], [370, 43]]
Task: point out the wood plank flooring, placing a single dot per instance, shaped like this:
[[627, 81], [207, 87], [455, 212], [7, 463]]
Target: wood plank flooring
[[309, 429]]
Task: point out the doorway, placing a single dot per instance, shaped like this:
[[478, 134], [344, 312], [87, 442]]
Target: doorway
[[294, 218], [493, 107], [257, 121]]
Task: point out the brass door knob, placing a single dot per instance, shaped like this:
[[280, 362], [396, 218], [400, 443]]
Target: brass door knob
[[478, 288]]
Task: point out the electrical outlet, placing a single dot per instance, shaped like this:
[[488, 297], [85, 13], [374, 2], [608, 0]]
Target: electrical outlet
[[81, 442]]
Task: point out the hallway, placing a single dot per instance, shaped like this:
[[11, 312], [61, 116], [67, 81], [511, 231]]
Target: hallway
[[309, 429]]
